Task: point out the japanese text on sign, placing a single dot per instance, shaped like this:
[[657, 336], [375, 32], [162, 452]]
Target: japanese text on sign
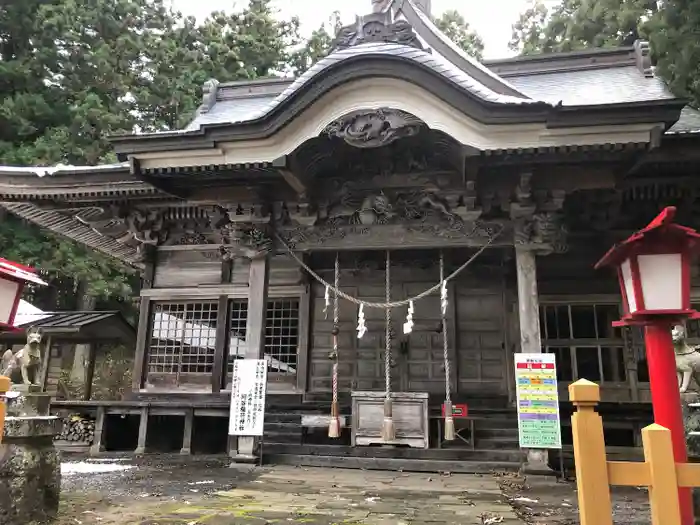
[[538, 401], [248, 397]]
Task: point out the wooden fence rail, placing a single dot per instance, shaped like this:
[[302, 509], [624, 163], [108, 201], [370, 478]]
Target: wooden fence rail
[[595, 474], [4, 387]]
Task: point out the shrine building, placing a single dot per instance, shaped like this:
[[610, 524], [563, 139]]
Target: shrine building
[[398, 151]]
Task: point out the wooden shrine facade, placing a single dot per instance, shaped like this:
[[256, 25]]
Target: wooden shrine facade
[[395, 142]]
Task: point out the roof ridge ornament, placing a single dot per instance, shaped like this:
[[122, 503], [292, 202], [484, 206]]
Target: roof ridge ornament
[[642, 53], [377, 28]]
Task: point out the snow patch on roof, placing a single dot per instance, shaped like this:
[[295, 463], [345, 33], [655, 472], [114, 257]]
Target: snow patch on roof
[[42, 171], [28, 313]]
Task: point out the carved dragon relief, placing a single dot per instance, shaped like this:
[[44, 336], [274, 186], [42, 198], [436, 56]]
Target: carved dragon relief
[[417, 212], [374, 128]]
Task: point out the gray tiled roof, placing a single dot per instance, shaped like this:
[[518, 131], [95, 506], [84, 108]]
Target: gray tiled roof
[[447, 42], [612, 85], [241, 110], [229, 111], [688, 123]]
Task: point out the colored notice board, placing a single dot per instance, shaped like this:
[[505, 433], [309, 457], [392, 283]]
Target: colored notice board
[[538, 401]]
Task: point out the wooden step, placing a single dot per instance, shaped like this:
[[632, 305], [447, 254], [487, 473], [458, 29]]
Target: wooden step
[[413, 465], [442, 454]]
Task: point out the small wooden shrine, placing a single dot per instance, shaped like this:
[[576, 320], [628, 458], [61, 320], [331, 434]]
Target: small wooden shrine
[[394, 166]]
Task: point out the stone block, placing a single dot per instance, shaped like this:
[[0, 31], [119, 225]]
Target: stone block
[[30, 468], [23, 405]]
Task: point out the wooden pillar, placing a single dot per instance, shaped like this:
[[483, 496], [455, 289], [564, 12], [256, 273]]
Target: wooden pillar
[[221, 345], [139, 372], [142, 335], [594, 501], [255, 332], [187, 434], [528, 301], [143, 432], [45, 364], [530, 339], [305, 305], [90, 373], [97, 446]]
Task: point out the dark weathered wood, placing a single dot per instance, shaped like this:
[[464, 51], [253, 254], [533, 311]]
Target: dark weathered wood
[[45, 363], [305, 301], [220, 357], [97, 446], [183, 268], [143, 431], [187, 433], [255, 332], [142, 337], [400, 465], [226, 271], [90, 372], [257, 308]]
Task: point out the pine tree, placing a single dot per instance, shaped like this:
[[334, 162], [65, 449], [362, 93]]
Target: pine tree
[[74, 72], [457, 29]]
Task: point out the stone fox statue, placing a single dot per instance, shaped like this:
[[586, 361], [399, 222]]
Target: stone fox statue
[[23, 367], [687, 359]]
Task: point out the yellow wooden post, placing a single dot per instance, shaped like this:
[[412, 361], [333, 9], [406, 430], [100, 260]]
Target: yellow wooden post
[[595, 506], [663, 482], [4, 387]]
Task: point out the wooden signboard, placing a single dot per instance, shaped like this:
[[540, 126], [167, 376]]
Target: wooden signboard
[[538, 401], [247, 417]]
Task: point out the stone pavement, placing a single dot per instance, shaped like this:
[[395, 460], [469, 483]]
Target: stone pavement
[[349, 497]]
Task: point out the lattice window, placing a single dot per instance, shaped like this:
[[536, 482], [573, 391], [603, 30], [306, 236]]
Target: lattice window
[[282, 336], [183, 338], [584, 341], [237, 319]]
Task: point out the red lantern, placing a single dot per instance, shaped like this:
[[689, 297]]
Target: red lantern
[[653, 267], [13, 277]]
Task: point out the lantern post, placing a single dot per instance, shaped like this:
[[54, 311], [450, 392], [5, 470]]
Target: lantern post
[[653, 267]]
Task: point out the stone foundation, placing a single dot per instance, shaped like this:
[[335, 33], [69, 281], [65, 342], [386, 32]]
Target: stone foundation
[[30, 467]]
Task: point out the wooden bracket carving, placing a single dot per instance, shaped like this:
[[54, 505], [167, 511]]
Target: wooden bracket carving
[[143, 229], [543, 232], [242, 231], [523, 204]]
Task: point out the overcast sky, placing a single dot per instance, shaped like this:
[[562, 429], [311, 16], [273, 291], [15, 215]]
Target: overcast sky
[[492, 23]]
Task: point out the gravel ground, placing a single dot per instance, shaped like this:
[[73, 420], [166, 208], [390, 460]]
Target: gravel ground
[[191, 491]]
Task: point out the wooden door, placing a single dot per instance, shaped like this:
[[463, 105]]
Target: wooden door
[[371, 349], [421, 353], [481, 336], [361, 361]]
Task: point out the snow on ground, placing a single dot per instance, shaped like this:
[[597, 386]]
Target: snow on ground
[[69, 468]]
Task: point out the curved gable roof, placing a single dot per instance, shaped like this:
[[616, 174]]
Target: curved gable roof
[[443, 45]]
